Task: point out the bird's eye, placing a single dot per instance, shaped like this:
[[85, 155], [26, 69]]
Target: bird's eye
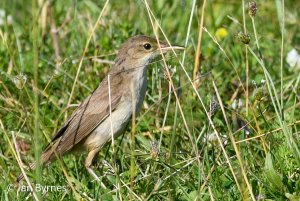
[[147, 46]]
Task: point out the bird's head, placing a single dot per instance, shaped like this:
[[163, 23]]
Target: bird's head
[[140, 50]]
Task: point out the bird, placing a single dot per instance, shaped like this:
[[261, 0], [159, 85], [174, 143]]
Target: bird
[[107, 111]]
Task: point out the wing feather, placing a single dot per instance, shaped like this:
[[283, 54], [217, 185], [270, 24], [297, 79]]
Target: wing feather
[[86, 118]]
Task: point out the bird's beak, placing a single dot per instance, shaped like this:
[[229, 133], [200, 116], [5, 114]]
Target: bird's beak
[[166, 47]]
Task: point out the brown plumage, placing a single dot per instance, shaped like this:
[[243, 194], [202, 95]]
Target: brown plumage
[[90, 124]]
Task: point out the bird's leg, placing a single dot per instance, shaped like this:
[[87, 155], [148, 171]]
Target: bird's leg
[[88, 165]]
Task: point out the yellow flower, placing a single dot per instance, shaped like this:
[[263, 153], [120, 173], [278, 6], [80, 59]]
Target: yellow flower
[[221, 33]]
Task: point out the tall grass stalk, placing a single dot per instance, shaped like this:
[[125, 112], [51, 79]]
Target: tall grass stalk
[[36, 133]]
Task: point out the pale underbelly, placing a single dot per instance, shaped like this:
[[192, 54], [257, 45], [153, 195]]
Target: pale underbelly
[[121, 117], [111, 126]]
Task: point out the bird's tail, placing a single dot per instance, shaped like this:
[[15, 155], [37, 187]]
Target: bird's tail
[[31, 167], [47, 156]]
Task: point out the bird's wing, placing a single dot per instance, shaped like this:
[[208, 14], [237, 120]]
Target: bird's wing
[[94, 110]]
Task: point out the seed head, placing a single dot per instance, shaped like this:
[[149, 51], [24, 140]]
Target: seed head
[[252, 8], [243, 37], [214, 106]]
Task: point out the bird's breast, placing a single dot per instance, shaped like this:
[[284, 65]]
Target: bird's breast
[[138, 90]]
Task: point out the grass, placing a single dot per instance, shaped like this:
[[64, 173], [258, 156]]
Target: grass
[[233, 135]]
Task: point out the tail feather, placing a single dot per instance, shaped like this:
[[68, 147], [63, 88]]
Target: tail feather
[[31, 167], [47, 157]]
